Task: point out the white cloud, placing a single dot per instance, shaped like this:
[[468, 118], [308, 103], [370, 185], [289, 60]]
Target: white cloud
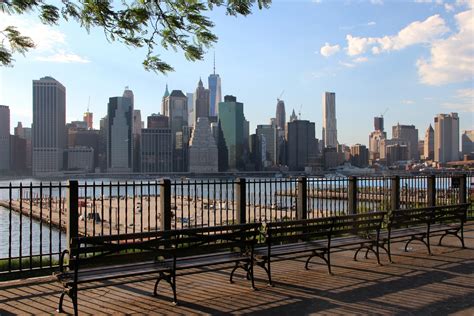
[[452, 59], [417, 32], [408, 102], [358, 45], [328, 50], [50, 43], [376, 1], [346, 64], [64, 57], [371, 23], [360, 59], [316, 1], [448, 7], [463, 101]]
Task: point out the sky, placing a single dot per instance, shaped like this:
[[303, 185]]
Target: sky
[[407, 59]]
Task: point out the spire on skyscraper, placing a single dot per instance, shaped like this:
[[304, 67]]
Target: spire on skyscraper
[[200, 84], [214, 62], [167, 93]]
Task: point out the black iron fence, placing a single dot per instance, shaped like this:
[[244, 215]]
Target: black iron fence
[[35, 219]]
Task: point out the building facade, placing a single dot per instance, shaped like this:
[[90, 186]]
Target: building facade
[[467, 140], [80, 159], [155, 121], [215, 94], [4, 138], [409, 134], [428, 146], [359, 156], [329, 120], [267, 150], [446, 139], [49, 126], [120, 135], [232, 119], [301, 144], [203, 153], [200, 102], [280, 115], [156, 151]]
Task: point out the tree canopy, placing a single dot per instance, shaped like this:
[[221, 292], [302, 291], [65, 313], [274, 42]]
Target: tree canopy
[[175, 24]]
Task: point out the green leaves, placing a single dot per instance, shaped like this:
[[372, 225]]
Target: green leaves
[[178, 24], [17, 42]]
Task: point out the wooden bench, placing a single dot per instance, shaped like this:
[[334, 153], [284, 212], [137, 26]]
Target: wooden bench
[[317, 238], [420, 224], [162, 253]]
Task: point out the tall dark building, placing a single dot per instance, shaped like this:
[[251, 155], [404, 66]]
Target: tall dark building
[[120, 134], [49, 126], [378, 123], [280, 114], [301, 144], [409, 134], [156, 152], [200, 102], [155, 121], [359, 156]]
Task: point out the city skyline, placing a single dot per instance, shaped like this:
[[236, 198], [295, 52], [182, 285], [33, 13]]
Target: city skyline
[[358, 68]]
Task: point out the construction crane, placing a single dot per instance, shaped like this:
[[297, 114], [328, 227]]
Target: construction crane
[[299, 112], [386, 110], [281, 94]]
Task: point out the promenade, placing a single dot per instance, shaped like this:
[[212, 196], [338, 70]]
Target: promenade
[[415, 284]]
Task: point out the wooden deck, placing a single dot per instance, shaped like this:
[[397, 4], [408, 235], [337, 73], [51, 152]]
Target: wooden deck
[[415, 284]]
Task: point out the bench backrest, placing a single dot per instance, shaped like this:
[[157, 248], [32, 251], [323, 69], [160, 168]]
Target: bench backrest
[[114, 249], [451, 213], [358, 224], [293, 231], [426, 216]]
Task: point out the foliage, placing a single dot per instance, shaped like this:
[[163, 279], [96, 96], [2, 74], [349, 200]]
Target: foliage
[[175, 24]]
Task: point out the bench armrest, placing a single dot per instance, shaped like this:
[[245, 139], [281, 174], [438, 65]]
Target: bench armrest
[[61, 259]]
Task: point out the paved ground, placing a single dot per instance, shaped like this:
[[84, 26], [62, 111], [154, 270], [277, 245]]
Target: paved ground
[[415, 284]]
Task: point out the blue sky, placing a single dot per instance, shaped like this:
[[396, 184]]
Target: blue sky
[[412, 57]]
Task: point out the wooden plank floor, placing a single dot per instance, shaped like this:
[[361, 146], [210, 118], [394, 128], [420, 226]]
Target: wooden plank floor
[[415, 284]]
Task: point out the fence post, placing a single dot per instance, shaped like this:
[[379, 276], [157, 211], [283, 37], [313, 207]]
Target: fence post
[[431, 190], [462, 189], [395, 193], [352, 195], [165, 204], [241, 200], [72, 229], [302, 200]]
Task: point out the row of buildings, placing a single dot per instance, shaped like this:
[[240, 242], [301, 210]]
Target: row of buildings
[[440, 145], [201, 133]]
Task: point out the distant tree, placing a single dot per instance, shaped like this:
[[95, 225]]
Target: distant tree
[[142, 23]]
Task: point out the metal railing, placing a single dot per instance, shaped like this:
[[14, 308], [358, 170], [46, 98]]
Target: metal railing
[[35, 218]]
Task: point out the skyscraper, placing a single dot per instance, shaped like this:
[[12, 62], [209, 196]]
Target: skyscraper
[[200, 102], [410, 134], [329, 120], [446, 142], [378, 123], [49, 125], [4, 138], [215, 94], [267, 145], [120, 134], [88, 118], [190, 97], [175, 106], [280, 114], [155, 121], [156, 152], [428, 146], [301, 143], [231, 117], [468, 142], [203, 148], [359, 155]]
